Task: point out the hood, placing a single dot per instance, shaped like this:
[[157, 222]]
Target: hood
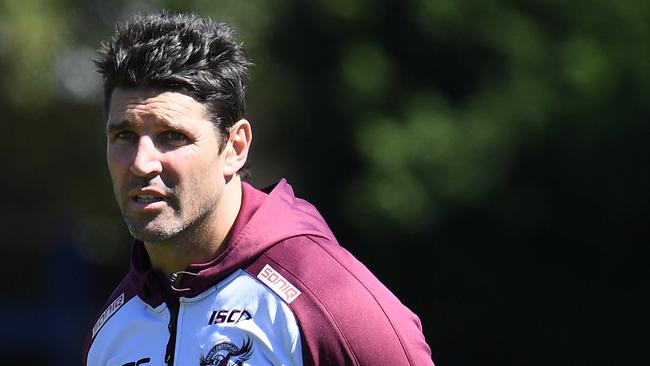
[[263, 221]]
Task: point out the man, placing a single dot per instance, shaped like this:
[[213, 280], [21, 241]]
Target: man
[[221, 273]]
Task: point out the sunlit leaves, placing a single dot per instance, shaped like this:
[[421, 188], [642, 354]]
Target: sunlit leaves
[[33, 32]]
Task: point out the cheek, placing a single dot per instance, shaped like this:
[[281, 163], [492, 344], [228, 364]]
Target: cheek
[[200, 177], [118, 161], [204, 178], [117, 157]]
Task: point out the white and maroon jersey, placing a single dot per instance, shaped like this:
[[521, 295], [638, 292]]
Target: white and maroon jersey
[[283, 292]]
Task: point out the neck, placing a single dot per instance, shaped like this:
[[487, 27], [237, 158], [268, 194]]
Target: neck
[[204, 240]]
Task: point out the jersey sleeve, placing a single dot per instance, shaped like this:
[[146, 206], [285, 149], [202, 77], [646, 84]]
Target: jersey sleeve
[[346, 315]]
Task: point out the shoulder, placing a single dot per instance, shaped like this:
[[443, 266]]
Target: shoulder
[[346, 315], [122, 293]]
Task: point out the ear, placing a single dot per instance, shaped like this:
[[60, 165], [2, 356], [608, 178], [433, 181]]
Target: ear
[[239, 142]]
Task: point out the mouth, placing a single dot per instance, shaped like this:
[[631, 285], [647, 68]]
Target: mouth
[[147, 198]]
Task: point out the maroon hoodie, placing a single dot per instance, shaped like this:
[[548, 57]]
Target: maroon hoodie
[[282, 292]]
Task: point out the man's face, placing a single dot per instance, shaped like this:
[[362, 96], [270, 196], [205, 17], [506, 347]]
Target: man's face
[[163, 155]]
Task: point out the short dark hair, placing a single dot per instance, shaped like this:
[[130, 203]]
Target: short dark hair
[[184, 52]]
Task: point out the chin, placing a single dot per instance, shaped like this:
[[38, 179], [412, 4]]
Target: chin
[[151, 233], [151, 237]]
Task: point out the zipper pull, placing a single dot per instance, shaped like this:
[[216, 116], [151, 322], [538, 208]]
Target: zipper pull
[[172, 278]]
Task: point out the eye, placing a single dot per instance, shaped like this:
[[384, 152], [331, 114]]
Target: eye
[[124, 136], [174, 138]]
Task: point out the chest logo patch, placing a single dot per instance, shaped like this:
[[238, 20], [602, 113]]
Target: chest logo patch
[[229, 316], [110, 310], [278, 284], [228, 354]]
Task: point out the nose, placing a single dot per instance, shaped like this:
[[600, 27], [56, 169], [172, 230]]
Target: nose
[[147, 159]]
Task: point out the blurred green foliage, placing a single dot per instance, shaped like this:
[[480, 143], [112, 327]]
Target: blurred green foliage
[[32, 34], [413, 125], [434, 99]]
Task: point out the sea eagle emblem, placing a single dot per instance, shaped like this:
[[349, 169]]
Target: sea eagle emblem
[[228, 354]]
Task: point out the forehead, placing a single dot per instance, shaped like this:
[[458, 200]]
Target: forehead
[[150, 105]]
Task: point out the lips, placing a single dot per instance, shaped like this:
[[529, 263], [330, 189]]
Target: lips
[[147, 199]]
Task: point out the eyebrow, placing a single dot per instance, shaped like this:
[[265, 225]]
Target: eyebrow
[[123, 124], [126, 124]]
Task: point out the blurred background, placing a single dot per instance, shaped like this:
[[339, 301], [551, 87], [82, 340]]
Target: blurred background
[[488, 160]]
